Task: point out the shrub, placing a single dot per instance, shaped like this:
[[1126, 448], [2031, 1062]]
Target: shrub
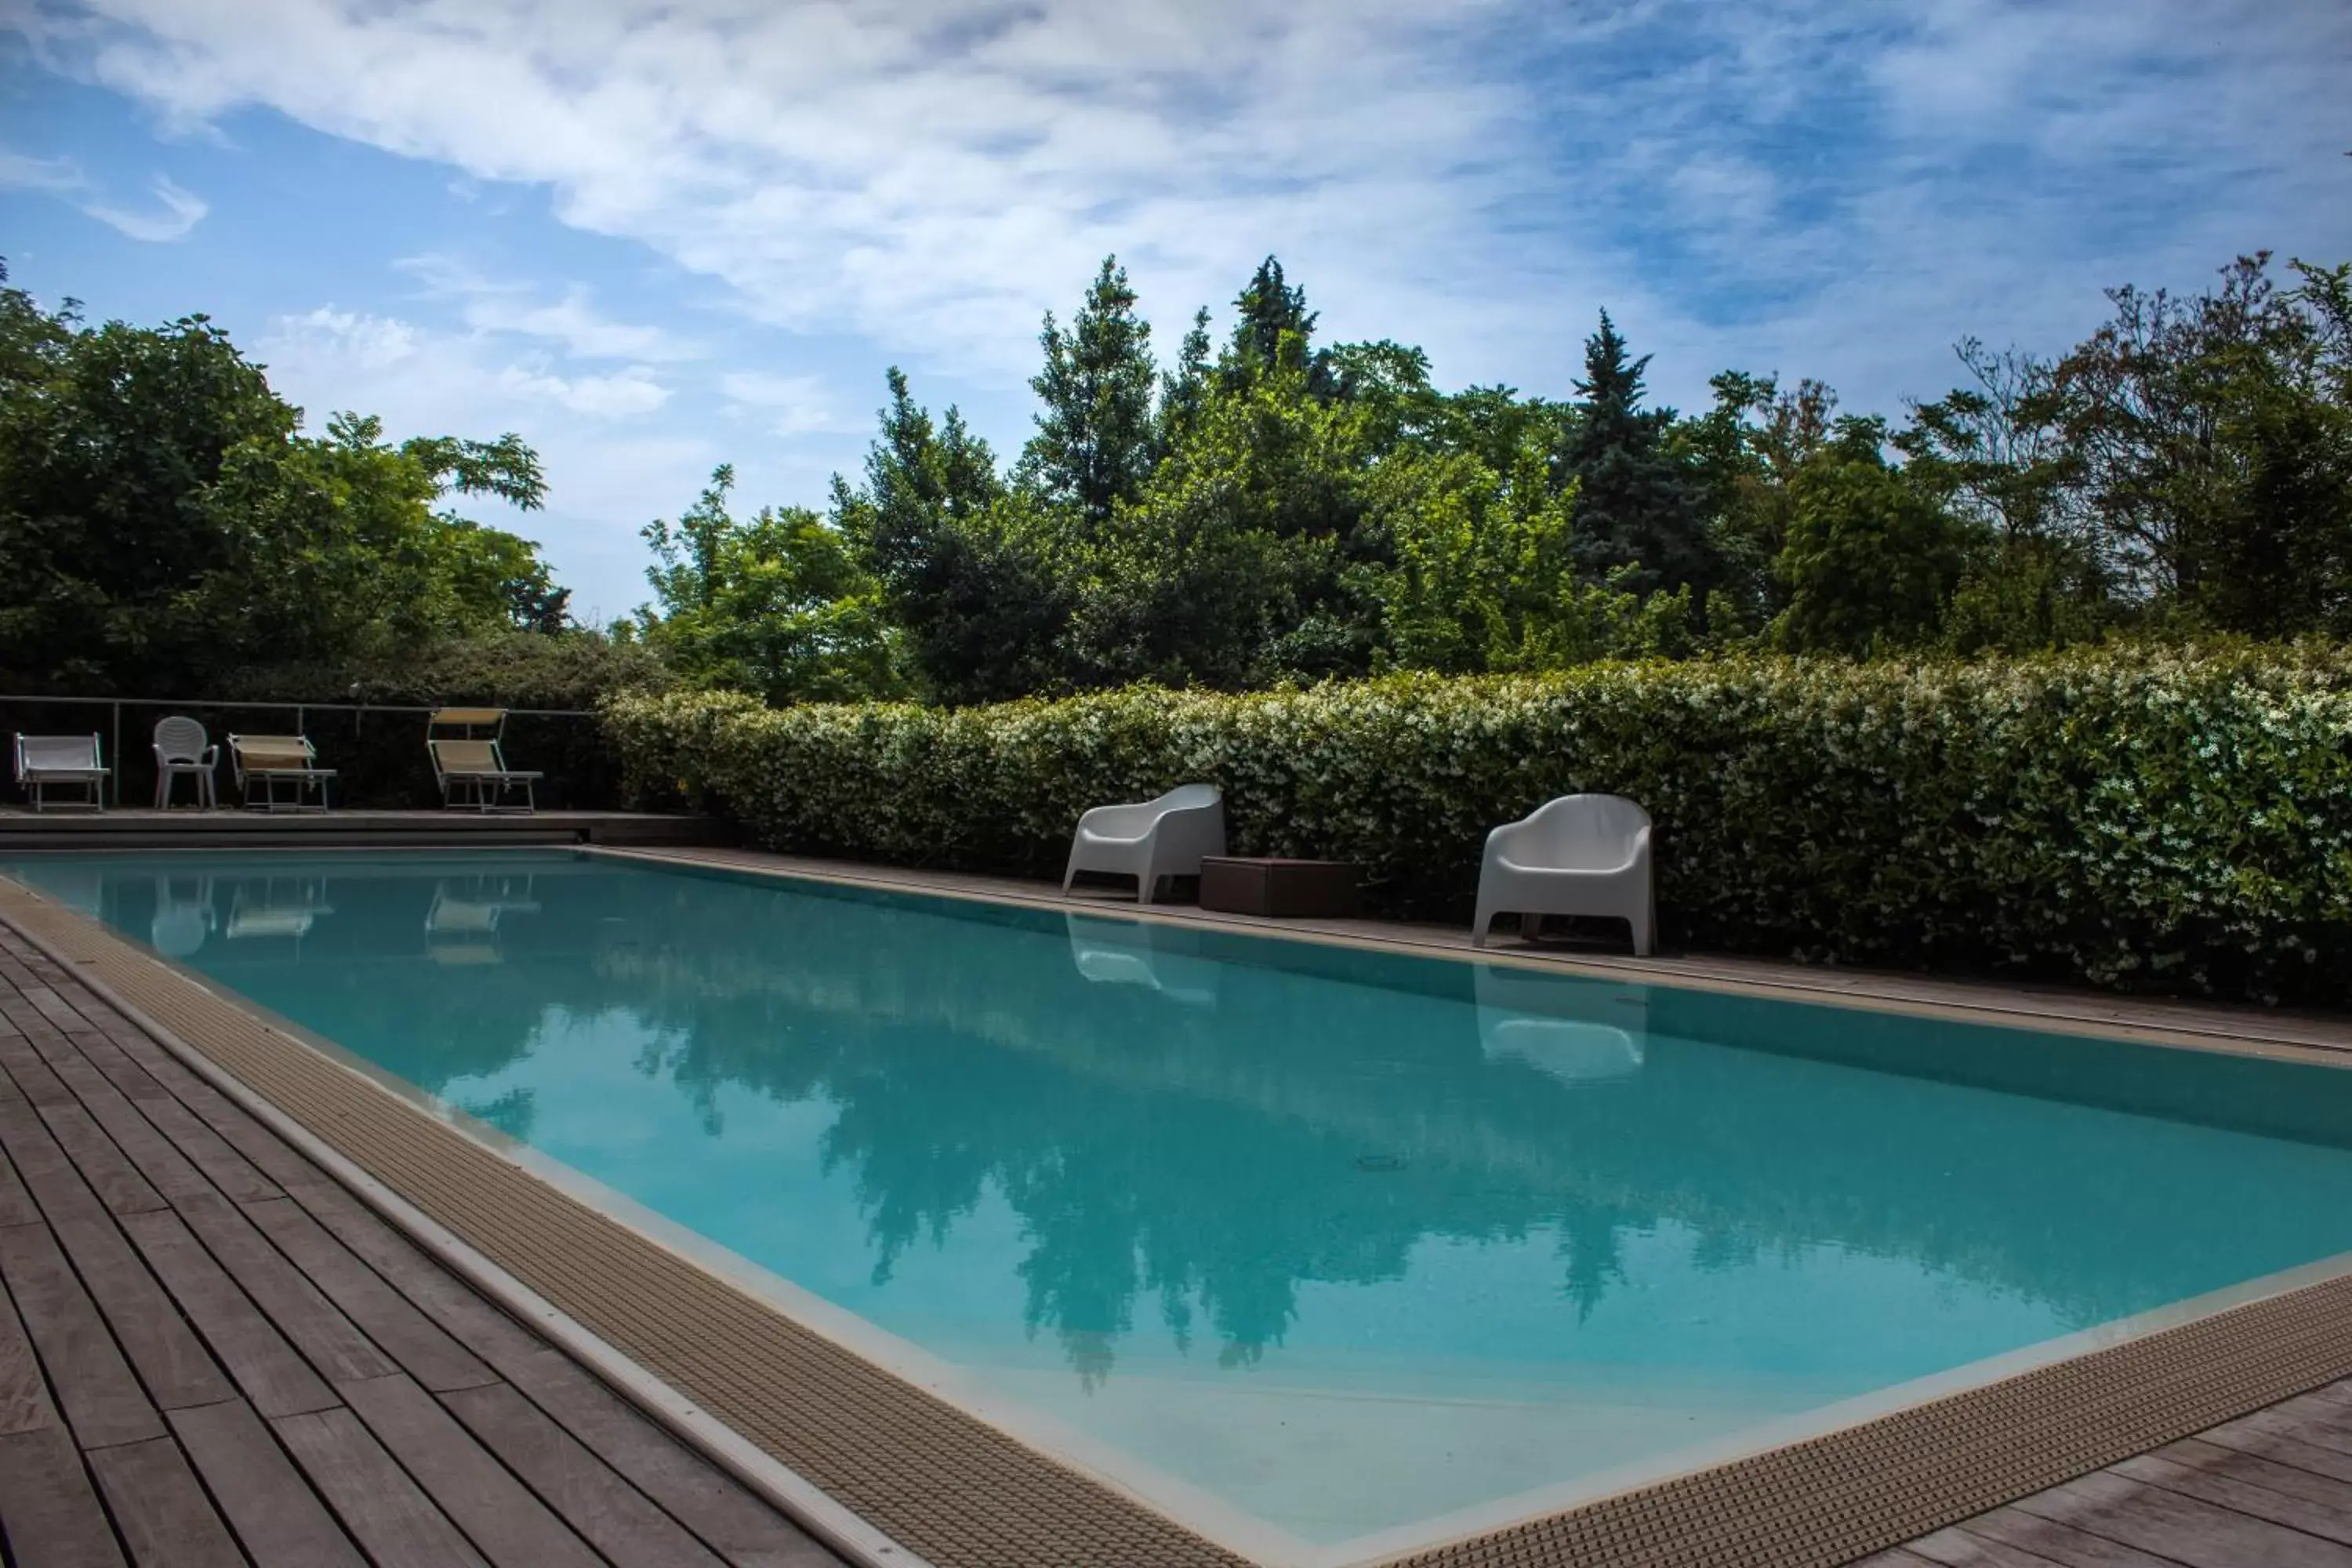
[[2137, 818]]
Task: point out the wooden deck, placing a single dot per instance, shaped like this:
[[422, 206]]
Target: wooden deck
[[211, 1354], [2271, 1491]]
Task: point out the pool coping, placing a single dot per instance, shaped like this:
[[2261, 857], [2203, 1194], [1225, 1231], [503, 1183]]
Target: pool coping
[[913, 1474]]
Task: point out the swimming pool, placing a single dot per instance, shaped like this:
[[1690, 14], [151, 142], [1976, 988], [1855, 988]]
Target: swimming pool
[[1309, 1241]]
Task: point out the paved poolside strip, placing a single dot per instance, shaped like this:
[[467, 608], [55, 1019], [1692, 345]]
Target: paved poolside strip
[[961, 1492]]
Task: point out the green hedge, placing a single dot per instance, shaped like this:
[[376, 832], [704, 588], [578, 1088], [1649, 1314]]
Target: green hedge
[[2134, 818]]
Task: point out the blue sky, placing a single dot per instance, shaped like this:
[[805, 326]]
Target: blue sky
[[654, 238]]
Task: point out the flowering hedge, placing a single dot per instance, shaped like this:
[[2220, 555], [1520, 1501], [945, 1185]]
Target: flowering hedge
[[2145, 820]]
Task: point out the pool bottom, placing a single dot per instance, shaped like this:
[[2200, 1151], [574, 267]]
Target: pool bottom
[[882, 1445]]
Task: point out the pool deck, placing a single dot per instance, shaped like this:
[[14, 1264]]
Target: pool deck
[[142, 827], [186, 1283], [211, 1354]]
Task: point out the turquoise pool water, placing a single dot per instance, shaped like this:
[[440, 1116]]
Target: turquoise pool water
[[1330, 1240]]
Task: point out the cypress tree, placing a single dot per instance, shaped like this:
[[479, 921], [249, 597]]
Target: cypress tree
[[1638, 502]]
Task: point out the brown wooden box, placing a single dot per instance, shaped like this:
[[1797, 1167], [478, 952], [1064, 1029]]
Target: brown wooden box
[[1248, 885]]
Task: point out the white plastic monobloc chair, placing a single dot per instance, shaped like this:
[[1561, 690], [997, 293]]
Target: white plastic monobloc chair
[[183, 747], [1579, 855], [1150, 841]]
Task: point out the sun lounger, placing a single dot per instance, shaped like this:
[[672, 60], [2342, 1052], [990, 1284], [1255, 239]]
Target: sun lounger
[[265, 762], [45, 761], [471, 769]]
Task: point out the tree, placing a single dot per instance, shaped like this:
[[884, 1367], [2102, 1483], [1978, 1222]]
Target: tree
[[966, 568], [1274, 330], [1183, 389], [166, 524], [1095, 436], [1639, 503], [775, 605], [110, 439], [1228, 571], [1746, 452], [1870, 559]]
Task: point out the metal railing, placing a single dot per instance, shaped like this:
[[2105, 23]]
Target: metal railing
[[116, 758]]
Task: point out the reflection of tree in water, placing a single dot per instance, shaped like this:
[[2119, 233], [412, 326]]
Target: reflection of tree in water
[[1157, 1150], [510, 1112], [1203, 1162]]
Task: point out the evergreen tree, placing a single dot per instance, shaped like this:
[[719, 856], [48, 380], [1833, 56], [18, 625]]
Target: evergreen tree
[[965, 567], [1639, 503], [1183, 390], [1274, 330], [1095, 436]]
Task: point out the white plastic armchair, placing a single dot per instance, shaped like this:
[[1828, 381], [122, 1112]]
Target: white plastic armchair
[[1579, 855], [1150, 841]]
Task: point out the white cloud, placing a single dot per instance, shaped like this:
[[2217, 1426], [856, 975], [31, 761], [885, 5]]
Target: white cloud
[[629, 392], [20, 173], [570, 320], [1786, 182], [791, 404], [181, 210]]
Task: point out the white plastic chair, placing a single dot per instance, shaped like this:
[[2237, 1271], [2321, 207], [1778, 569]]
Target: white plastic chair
[[1579, 855], [182, 747], [45, 761], [1150, 841]]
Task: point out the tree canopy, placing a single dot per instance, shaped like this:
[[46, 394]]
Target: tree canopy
[[166, 523], [1265, 508]]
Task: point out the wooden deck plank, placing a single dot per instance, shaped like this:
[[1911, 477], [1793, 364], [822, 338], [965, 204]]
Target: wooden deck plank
[[475, 1322], [2046, 1540], [716, 1508], [298, 1309], [109, 1173], [2286, 1443], [274, 1513], [612, 1516], [404, 1333], [222, 1165], [2201, 1453], [2248, 1486], [56, 1187], [272, 1375], [167, 1170], [169, 1360], [265, 1150], [52, 1006], [23, 1067], [505, 1523], [25, 1403], [383, 1508], [2166, 1523], [16, 1207], [93, 1384], [739, 1526], [48, 1507], [162, 1514]]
